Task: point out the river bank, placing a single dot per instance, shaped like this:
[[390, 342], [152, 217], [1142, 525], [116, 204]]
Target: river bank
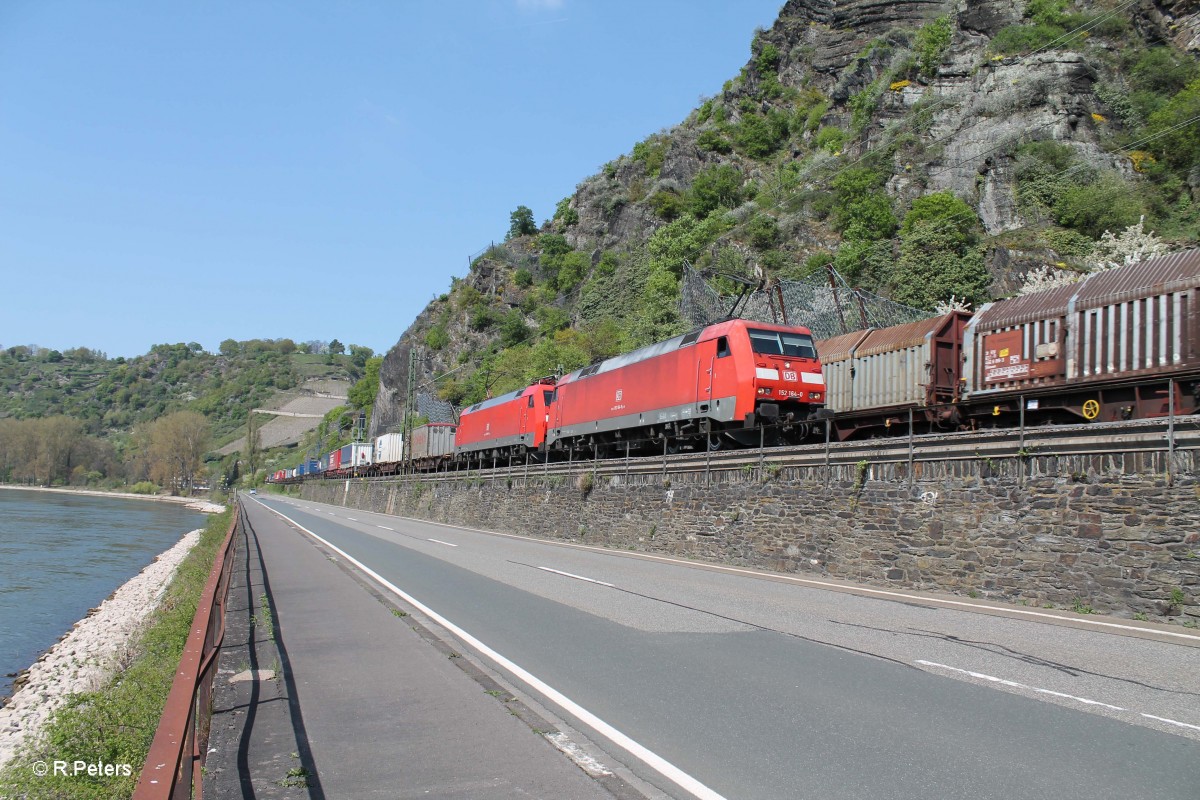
[[194, 503], [93, 650]]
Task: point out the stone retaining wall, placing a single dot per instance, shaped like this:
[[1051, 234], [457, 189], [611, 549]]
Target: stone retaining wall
[[1106, 533]]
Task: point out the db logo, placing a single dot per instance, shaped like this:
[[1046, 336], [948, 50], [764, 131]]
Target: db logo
[[620, 394], [789, 376]]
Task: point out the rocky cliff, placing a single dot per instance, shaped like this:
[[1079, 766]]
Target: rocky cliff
[[984, 138]]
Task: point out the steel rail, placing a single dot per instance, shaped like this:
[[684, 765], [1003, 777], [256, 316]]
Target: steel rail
[[174, 764]]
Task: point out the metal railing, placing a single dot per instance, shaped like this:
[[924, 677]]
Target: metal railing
[[173, 766]]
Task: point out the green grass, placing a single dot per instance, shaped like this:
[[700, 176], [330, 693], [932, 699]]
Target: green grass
[[116, 724]]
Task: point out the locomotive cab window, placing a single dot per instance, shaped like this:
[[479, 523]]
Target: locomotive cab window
[[548, 396], [722, 347], [531, 401], [775, 343]]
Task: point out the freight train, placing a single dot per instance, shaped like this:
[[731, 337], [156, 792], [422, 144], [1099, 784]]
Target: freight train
[[1120, 344]]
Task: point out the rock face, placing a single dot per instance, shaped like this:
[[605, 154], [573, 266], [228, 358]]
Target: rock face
[[953, 125]]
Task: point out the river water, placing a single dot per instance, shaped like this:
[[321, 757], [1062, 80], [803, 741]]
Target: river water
[[62, 554]]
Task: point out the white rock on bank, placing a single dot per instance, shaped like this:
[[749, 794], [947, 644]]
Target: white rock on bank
[[90, 653]]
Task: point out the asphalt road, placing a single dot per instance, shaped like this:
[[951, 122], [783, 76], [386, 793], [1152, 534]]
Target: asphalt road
[[714, 683]]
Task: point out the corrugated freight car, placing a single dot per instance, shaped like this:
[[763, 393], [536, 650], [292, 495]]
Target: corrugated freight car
[[1107, 348], [874, 377], [1110, 347]]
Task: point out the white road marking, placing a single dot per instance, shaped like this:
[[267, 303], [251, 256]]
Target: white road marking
[[439, 541], [352, 519], [861, 590], [386, 528], [1016, 685], [576, 577], [649, 757], [1172, 722]]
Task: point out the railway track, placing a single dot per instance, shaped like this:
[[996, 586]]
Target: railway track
[[1140, 436]]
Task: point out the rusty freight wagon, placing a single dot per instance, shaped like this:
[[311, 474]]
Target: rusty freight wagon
[[1114, 346], [875, 377]]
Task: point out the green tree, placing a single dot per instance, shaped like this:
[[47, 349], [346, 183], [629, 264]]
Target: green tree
[[337, 348], [363, 393], [1178, 142], [939, 254], [359, 355], [933, 40], [520, 223], [513, 329], [862, 209], [715, 187]]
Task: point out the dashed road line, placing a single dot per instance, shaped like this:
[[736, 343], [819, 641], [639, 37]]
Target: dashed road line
[[576, 577], [1172, 722], [439, 541], [1086, 701], [1015, 685]]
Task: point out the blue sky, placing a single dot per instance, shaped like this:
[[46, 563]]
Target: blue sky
[[178, 172]]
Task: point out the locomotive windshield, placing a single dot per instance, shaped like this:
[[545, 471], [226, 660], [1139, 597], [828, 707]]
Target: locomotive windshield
[[775, 343]]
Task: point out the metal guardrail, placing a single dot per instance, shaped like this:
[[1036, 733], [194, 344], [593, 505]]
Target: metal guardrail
[[173, 766]]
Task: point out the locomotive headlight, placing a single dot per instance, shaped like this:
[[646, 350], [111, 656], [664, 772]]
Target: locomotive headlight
[[762, 390], [814, 395]]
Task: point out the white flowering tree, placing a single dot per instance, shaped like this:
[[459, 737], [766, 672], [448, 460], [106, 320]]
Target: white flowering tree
[[1130, 246]]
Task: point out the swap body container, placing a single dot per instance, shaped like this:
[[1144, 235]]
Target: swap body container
[[389, 448], [357, 454], [433, 442]]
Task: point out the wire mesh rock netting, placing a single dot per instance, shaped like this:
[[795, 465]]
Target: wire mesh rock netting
[[823, 302]]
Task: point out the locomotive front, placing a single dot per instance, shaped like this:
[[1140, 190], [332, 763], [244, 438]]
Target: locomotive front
[[780, 367]]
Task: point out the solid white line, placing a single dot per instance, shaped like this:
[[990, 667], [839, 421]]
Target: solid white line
[[652, 759], [1016, 685], [439, 541], [1172, 722], [576, 577]]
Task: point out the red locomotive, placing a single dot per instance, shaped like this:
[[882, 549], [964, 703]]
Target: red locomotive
[[509, 425], [716, 385]]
